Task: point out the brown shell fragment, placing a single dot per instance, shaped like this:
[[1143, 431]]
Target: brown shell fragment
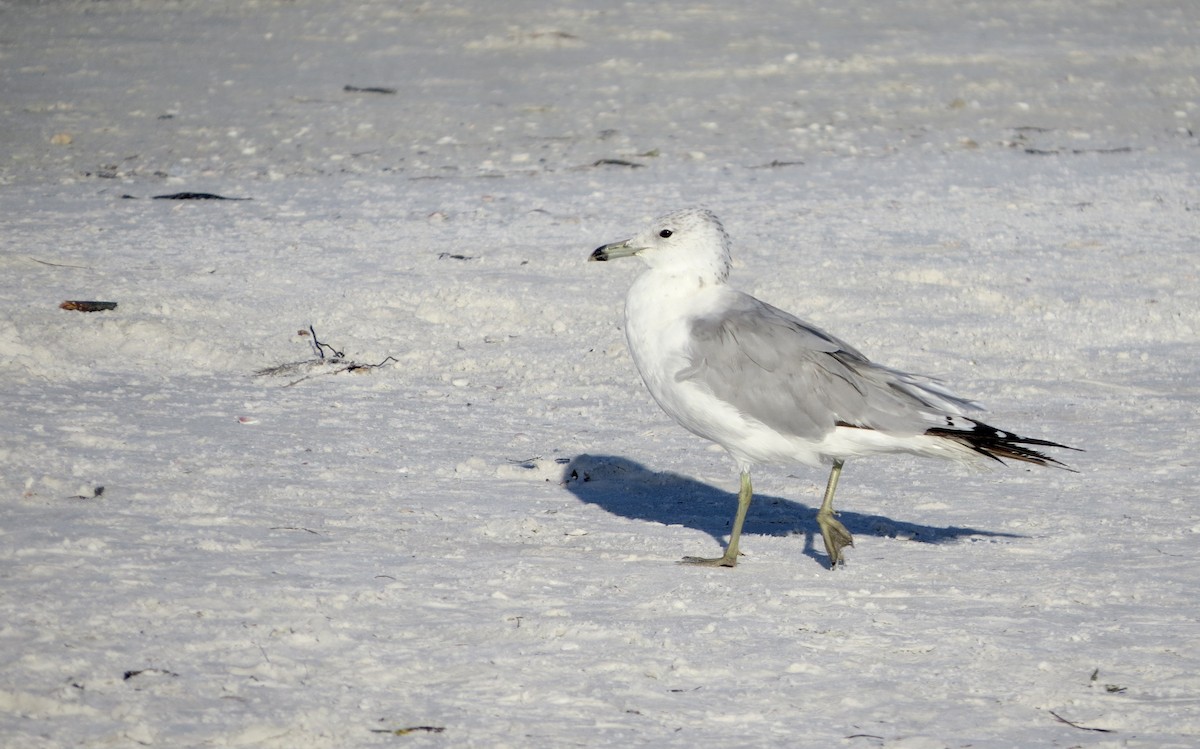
[[77, 306]]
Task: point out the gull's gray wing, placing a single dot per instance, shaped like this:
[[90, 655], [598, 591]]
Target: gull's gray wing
[[800, 380]]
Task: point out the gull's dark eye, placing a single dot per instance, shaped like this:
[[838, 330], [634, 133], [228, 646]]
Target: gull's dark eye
[[665, 233]]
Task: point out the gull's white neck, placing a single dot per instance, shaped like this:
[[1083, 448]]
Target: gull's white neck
[[658, 309]]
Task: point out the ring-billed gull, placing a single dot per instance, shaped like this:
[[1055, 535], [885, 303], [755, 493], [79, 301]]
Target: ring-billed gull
[[771, 388]]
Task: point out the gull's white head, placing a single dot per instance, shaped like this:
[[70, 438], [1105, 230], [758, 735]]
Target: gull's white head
[[689, 242]]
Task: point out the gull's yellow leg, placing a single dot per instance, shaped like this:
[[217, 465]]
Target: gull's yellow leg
[[730, 557], [834, 533]]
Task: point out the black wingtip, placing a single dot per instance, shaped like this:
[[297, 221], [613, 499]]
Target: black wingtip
[[1000, 445]]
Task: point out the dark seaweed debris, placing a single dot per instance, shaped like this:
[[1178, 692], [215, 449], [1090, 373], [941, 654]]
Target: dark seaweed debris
[[368, 89], [195, 196]]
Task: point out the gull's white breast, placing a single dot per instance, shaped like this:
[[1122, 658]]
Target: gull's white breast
[[658, 311]]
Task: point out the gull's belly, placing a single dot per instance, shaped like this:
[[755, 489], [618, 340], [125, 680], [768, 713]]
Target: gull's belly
[[660, 351], [746, 438]]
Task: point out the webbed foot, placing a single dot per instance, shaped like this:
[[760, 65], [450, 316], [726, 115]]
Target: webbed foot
[[722, 561], [836, 538]]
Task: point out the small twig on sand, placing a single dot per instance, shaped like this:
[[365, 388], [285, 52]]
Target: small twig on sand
[[1073, 724], [617, 162], [409, 729], [59, 265]]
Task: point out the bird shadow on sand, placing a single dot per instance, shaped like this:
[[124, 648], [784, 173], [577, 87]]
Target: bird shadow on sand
[[627, 488]]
